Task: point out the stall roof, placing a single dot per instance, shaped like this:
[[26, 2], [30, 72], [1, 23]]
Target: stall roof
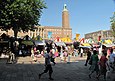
[[60, 43], [27, 42], [39, 42], [96, 45], [109, 45], [84, 46]]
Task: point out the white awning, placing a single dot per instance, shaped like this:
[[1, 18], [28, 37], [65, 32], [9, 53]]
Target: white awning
[[85, 46], [60, 43], [109, 45], [39, 43]]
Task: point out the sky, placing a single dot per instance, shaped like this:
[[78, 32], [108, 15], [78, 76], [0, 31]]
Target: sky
[[85, 16]]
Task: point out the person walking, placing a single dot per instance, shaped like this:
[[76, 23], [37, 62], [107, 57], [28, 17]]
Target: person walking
[[81, 52], [88, 56], [75, 52], [48, 66], [65, 55], [112, 60], [103, 63], [94, 66]]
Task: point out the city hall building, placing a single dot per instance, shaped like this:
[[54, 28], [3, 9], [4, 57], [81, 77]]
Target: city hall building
[[50, 32]]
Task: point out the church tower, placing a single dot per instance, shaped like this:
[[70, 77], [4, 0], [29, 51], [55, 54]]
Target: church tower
[[65, 17]]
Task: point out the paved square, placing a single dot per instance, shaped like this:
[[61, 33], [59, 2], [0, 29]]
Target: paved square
[[75, 71]]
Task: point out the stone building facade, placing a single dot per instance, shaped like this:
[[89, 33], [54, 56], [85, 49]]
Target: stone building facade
[[52, 32], [49, 32], [102, 34]]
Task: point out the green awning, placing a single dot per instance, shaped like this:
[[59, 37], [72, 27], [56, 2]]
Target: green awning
[[28, 42]]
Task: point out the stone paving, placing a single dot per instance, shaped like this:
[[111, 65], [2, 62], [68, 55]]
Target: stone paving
[[28, 71]]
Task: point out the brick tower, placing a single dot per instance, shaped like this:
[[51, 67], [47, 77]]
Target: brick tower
[[65, 17]]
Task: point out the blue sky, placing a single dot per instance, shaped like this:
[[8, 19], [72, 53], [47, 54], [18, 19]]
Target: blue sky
[[85, 15]]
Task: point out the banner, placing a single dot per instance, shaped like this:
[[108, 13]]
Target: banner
[[99, 38], [77, 36], [49, 34]]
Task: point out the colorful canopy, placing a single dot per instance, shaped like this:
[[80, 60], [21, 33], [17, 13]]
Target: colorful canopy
[[109, 45], [85, 44]]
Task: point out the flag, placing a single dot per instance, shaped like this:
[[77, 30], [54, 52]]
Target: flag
[[49, 34], [77, 36], [99, 38]]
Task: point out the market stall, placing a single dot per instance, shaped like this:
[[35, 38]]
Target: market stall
[[26, 45], [109, 45]]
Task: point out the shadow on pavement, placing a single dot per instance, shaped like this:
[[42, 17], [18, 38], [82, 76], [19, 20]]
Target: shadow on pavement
[[73, 71]]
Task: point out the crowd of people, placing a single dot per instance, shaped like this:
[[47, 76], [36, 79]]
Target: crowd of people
[[101, 64], [62, 52], [50, 53], [100, 61]]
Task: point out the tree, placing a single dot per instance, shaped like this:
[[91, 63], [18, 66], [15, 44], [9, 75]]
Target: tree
[[113, 24], [20, 14]]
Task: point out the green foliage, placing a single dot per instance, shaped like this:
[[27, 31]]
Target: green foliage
[[20, 14], [113, 29], [113, 24]]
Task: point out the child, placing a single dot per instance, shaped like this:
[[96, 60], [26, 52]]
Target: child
[[32, 55], [65, 55]]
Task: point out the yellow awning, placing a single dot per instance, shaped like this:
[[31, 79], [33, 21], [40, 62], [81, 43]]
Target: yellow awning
[[86, 44], [108, 41], [66, 39]]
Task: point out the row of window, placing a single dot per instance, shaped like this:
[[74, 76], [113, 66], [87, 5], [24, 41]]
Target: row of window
[[37, 33]]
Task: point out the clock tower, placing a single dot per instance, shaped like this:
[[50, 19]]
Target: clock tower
[[65, 17]]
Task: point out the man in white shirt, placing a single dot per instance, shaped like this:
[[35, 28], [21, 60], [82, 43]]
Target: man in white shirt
[[112, 60]]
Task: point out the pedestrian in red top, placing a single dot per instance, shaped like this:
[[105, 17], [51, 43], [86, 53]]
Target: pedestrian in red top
[[103, 65]]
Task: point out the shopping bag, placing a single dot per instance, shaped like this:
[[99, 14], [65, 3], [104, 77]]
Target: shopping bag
[[108, 74], [20, 52]]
